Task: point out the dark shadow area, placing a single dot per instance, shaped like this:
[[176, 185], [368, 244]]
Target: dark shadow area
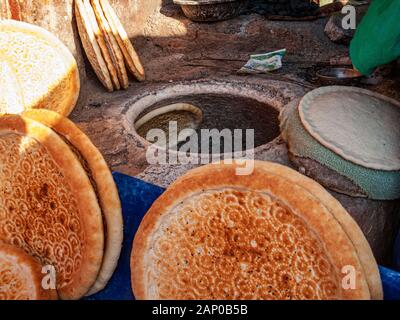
[[169, 9], [230, 112]]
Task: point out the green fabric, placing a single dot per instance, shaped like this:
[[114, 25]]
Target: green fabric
[[377, 38], [377, 184]]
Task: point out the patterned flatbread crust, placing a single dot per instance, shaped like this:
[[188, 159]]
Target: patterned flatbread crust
[[216, 235], [21, 276], [45, 69], [48, 206], [103, 184], [11, 99]]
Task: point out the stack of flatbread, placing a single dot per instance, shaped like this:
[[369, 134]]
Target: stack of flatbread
[[272, 234], [107, 45], [60, 214], [36, 70], [347, 139]]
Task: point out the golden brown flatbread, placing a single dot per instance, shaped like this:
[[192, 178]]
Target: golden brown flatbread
[[91, 46], [132, 59], [11, 99], [348, 224], [102, 181], [115, 51], [21, 276], [45, 69], [102, 44], [48, 206], [273, 234]]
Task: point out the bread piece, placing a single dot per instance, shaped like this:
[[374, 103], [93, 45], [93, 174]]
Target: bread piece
[[115, 51], [359, 125], [43, 66], [103, 184], [100, 37], [21, 276], [11, 99], [216, 235], [91, 46], [48, 206], [132, 59]]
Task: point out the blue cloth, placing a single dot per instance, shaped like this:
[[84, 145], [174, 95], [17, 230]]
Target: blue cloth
[[391, 283], [137, 197]]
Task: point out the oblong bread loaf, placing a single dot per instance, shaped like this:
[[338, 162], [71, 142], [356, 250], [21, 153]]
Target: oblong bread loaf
[[21, 276], [217, 235], [103, 184], [46, 70], [112, 44], [132, 59], [91, 46], [102, 44], [48, 206]]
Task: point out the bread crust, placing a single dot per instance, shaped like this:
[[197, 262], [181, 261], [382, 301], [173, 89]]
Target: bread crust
[[348, 224], [91, 46], [105, 186], [11, 99], [131, 57], [115, 51], [100, 37], [350, 227], [68, 87], [357, 237], [84, 195], [282, 182], [32, 269]]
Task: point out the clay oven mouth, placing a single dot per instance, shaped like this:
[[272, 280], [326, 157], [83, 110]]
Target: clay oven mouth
[[223, 107]]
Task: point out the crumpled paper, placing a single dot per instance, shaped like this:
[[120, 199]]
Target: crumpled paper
[[265, 62]]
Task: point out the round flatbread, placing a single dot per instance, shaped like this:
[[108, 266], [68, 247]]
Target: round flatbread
[[21, 276], [186, 116], [91, 46], [268, 235], [48, 206], [197, 113], [348, 224], [45, 69], [359, 125], [329, 168], [103, 184], [132, 59], [11, 100]]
